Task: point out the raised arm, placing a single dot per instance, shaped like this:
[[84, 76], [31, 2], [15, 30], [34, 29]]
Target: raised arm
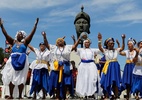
[[100, 42], [31, 48], [122, 53], [45, 40], [135, 59], [118, 43], [73, 38], [8, 38], [30, 36], [74, 47], [74, 41], [123, 42]]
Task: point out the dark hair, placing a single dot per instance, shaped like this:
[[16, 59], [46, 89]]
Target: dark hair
[[105, 44], [139, 43], [42, 43]]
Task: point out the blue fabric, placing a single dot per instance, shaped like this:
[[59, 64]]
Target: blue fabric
[[21, 49], [113, 76], [86, 61], [102, 64], [18, 61], [127, 78], [53, 81], [67, 67], [137, 84], [40, 80], [67, 81]]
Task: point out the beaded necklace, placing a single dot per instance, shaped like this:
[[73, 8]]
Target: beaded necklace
[[109, 56], [61, 52]]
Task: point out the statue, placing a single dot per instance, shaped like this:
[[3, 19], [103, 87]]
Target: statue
[[82, 25]]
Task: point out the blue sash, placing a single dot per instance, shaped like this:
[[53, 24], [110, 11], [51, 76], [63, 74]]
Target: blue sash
[[18, 61], [66, 65], [86, 61]]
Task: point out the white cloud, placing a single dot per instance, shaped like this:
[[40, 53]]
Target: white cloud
[[30, 4]]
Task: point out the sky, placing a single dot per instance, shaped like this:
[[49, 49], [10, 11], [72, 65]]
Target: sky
[[111, 18]]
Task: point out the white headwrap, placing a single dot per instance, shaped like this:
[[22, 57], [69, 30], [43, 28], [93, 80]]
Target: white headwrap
[[86, 41], [131, 40], [23, 33]]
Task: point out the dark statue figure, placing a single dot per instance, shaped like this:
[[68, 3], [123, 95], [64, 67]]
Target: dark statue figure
[[82, 24]]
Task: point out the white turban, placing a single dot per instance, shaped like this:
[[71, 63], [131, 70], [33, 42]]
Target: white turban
[[23, 33]]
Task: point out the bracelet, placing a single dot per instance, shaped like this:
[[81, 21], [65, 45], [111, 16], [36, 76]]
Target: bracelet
[[100, 42]]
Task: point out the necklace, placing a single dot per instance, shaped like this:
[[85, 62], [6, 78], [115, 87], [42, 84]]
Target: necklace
[[17, 46], [60, 55], [109, 56], [130, 54]]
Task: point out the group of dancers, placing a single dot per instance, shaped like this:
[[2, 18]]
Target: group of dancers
[[52, 71]]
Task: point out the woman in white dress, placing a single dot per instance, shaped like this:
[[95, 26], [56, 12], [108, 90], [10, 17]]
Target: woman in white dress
[[137, 73], [40, 69], [88, 76], [16, 68]]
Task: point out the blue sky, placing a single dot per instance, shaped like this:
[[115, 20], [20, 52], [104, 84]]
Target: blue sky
[[110, 17]]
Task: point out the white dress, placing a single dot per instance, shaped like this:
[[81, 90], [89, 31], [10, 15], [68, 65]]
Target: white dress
[[16, 77], [86, 84]]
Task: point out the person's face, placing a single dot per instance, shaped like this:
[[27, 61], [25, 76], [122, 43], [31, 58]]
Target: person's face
[[110, 45], [87, 44], [60, 42], [42, 47], [130, 46], [84, 37], [81, 25], [140, 45], [19, 36]]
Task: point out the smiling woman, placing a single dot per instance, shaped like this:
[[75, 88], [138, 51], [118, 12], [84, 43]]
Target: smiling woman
[[16, 68]]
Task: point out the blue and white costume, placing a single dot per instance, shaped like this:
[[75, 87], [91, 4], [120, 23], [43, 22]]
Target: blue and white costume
[[111, 71], [61, 74], [17, 77], [137, 77], [128, 69], [40, 73]]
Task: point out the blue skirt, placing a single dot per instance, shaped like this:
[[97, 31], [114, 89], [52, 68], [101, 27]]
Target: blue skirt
[[53, 82], [127, 75], [67, 81], [40, 80], [137, 84], [113, 76]]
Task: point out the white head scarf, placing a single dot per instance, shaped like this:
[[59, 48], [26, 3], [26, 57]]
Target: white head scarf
[[131, 40], [23, 33], [86, 41]]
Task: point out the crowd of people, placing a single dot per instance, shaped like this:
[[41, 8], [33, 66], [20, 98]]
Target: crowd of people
[[53, 72]]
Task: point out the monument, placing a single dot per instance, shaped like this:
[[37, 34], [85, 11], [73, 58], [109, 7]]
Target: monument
[[82, 25]]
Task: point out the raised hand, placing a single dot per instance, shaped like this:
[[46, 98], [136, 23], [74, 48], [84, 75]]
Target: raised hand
[[43, 33], [1, 22], [36, 21], [64, 37], [123, 36], [73, 37], [99, 36]]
